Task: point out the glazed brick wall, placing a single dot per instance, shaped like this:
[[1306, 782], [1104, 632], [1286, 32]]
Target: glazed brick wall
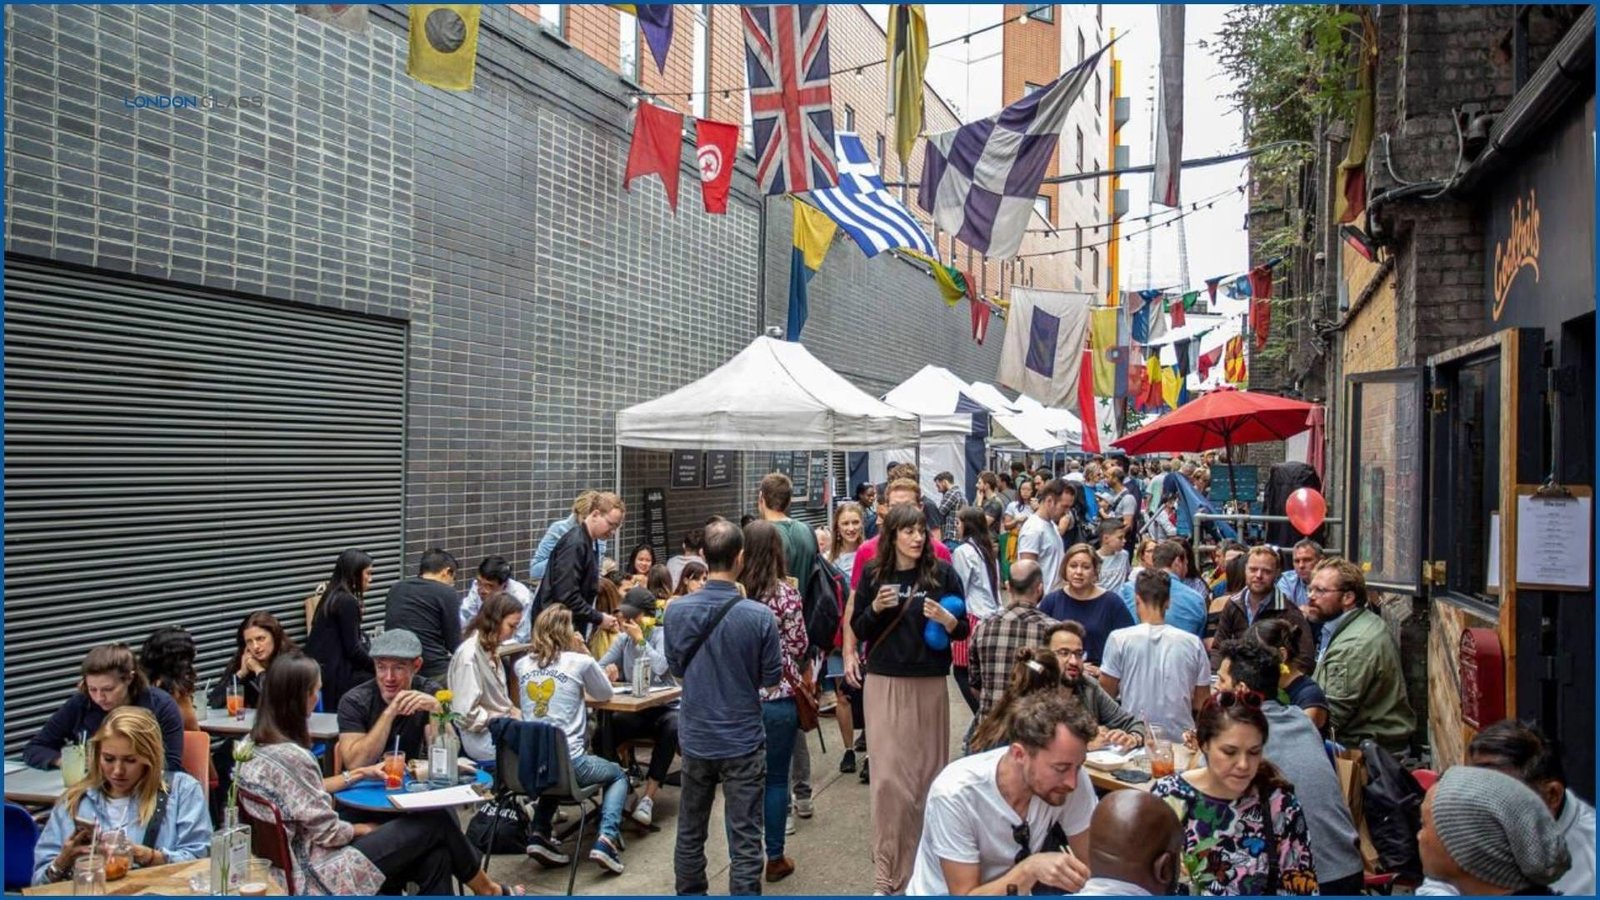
[[540, 297]]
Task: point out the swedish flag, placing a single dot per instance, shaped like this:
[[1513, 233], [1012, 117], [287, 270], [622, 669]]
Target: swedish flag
[[444, 46]]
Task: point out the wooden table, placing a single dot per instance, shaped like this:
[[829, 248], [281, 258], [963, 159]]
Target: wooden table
[[165, 881], [628, 703], [34, 787], [1104, 781], [324, 726]]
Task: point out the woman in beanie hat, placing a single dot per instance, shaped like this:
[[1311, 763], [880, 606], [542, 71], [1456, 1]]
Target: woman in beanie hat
[[1488, 833]]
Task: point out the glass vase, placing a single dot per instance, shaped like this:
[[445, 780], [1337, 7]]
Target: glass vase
[[230, 854], [442, 756]]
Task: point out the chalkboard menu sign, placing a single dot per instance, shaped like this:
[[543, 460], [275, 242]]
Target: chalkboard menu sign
[[719, 468], [1246, 477], [782, 462], [800, 474], [686, 468], [819, 480], [655, 520]]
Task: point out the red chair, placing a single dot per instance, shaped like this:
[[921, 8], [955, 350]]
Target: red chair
[[1426, 778], [269, 840]]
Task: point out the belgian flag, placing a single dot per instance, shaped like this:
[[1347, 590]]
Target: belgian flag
[[444, 46]]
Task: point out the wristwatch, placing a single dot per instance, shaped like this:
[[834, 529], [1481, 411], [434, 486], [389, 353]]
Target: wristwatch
[[346, 776]]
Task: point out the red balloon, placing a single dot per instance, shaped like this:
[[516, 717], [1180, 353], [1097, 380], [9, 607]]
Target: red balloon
[[1306, 509]]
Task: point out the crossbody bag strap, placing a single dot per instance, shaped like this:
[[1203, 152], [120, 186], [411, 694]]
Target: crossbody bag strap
[[887, 631], [716, 620], [1272, 838]]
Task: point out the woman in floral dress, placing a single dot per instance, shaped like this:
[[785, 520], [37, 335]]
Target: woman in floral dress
[[1244, 831]]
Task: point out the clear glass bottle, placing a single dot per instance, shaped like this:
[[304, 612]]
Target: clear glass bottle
[[230, 854], [442, 756]]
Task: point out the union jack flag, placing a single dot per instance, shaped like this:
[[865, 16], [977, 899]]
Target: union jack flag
[[791, 100]]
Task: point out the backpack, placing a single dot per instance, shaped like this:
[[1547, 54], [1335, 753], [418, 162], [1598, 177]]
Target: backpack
[[1392, 807], [823, 603]]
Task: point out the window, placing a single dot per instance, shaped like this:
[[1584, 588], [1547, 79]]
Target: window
[[1043, 12], [1077, 258], [1083, 50], [628, 47], [1029, 88], [1097, 189], [1041, 205], [1094, 264], [702, 60], [1097, 93], [849, 118], [883, 162], [1080, 157], [553, 18], [1099, 14]]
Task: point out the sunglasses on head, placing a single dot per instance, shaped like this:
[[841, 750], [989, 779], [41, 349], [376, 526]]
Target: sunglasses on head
[[1243, 696]]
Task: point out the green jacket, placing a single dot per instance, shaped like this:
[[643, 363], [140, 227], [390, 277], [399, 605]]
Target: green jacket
[[1360, 672]]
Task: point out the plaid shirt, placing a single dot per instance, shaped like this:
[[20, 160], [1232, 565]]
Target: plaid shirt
[[995, 644], [950, 503]]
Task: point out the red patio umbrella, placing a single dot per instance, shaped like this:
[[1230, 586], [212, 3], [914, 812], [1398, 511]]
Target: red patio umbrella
[[1221, 419]]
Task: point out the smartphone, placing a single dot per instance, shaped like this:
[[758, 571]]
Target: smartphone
[[84, 825]]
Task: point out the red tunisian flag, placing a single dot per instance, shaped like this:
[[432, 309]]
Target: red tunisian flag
[[1091, 431], [657, 145], [716, 149]]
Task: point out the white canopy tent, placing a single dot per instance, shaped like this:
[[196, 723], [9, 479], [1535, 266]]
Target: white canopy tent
[[773, 395]]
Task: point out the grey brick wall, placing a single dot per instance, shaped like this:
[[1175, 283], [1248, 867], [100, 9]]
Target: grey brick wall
[[540, 297]]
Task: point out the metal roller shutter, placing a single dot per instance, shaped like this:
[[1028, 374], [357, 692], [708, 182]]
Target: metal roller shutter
[[179, 457]]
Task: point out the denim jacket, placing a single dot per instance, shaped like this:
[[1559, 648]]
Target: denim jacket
[[184, 836]]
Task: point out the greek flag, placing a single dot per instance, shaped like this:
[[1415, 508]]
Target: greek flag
[[863, 207]]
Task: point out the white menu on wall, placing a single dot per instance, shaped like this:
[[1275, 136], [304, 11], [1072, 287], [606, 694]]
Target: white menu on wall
[[1553, 541]]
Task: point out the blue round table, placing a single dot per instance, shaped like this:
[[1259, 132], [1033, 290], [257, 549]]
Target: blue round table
[[372, 796]]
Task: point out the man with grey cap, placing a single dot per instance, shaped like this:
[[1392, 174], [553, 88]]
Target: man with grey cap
[[1484, 832], [390, 711]]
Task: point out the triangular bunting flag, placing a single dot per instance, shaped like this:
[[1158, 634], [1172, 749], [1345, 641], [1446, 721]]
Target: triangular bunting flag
[[980, 318], [656, 147], [1208, 360], [1211, 286], [655, 20]]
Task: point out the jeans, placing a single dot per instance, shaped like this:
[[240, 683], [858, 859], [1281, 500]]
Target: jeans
[[782, 722], [424, 849], [659, 725], [742, 778], [590, 769]]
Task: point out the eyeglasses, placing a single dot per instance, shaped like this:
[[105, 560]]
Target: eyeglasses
[[1069, 654], [1243, 696], [1314, 591], [1023, 835]]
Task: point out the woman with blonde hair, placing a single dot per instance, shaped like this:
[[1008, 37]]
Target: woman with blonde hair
[[476, 677], [125, 796], [608, 599], [552, 681]]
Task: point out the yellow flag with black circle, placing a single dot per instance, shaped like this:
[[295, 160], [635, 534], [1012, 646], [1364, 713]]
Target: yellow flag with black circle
[[444, 45]]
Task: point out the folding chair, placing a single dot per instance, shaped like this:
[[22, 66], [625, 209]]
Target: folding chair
[[269, 840], [566, 792]]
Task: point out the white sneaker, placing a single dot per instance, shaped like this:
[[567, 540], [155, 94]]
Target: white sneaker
[[788, 828], [643, 811], [803, 807]]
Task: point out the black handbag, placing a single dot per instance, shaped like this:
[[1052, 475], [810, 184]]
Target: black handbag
[[502, 823]]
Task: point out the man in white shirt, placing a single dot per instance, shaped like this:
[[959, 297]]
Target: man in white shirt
[[494, 576], [1515, 749], [1039, 539], [1156, 671], [1017, 816], [1135, 847]]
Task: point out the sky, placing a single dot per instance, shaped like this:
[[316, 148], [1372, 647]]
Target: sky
[[1216, 239]]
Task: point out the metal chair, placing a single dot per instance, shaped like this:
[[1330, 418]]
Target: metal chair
[[22, 835], [269, 840], [566, 792]]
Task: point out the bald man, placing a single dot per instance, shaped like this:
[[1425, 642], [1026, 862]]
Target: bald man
[[1135, 847]]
